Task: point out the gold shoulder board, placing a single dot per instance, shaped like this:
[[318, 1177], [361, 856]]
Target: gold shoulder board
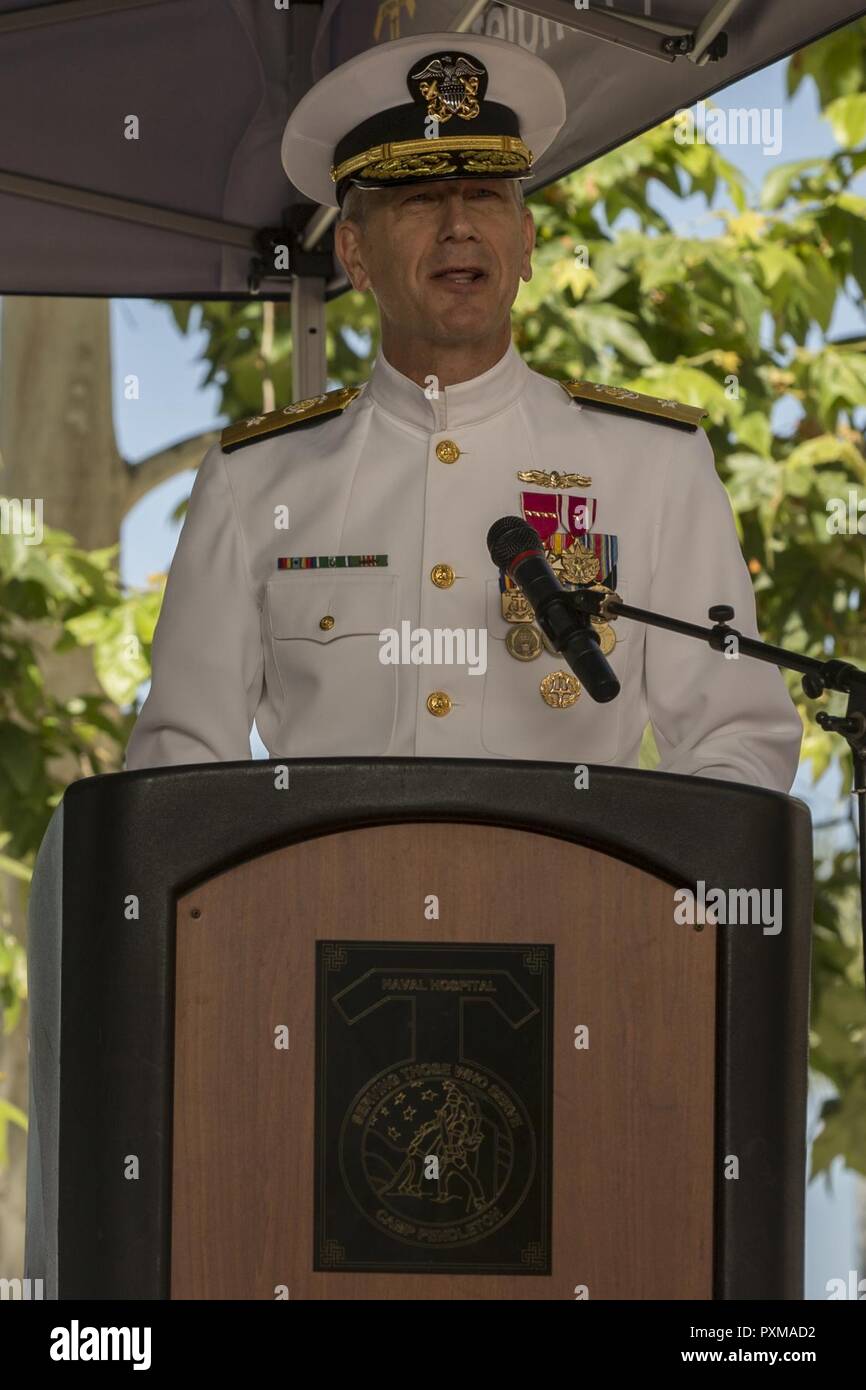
[[278, 421], [686, 417]]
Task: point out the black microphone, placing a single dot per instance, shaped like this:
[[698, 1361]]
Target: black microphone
[[515, 547]]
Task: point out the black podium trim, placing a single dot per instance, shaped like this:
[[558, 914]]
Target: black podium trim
[[114, 1235]]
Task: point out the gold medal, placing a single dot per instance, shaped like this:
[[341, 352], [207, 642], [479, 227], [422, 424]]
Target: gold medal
[[515, 608], [605, 634], [560, 689], [524, 642], [579, 565]]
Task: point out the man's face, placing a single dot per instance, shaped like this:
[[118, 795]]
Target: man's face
[[444, 258]]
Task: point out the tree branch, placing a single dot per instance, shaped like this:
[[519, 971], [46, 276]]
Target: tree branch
[[157, 468]]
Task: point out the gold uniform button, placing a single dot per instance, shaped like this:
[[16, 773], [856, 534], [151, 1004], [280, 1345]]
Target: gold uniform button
[[443, 576], [447, 451], [326, 623], [439, 703]]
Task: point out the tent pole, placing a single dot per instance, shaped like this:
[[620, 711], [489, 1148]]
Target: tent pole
[[309, 366]]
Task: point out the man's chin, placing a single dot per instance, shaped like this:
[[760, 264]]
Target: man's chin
[[464, 324]]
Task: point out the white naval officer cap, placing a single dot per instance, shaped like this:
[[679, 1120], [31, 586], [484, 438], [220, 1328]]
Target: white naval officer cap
[[432, 106]]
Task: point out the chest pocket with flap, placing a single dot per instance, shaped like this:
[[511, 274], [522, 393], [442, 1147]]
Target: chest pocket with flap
[[338, 698]]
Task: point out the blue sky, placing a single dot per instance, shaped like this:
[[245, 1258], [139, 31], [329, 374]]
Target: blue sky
[[173, 406]]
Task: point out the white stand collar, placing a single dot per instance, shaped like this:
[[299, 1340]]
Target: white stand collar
[[466, 403]]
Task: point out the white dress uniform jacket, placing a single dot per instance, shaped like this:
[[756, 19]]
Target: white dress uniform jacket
[[239, 638]]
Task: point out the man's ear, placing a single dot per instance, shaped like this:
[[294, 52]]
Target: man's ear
[[528, 244], [348, 248]]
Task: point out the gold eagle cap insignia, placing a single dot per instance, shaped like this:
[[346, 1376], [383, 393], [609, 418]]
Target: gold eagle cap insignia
[[451, 84]]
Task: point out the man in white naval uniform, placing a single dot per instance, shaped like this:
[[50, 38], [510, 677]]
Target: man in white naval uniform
[[313, 531]]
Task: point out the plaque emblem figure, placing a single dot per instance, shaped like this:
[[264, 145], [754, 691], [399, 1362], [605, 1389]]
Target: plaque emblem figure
[[471, 1123], [452, 1138]]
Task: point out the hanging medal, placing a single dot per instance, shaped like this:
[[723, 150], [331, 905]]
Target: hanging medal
[[515, 607]]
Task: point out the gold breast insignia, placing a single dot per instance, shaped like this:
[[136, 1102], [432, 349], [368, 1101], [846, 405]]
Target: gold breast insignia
[[554, 479], [559, 689]]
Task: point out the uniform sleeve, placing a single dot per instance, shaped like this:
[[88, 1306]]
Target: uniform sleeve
[[207, 660], [712, 716]]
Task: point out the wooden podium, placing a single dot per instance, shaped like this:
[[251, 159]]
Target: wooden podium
[[416, 1029]]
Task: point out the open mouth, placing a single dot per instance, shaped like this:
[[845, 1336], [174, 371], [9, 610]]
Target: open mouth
[[460, 275]]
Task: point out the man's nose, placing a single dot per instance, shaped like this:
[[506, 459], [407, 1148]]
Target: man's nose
[[457, 217]]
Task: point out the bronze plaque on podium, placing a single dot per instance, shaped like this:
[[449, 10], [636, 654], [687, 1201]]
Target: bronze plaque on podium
[[434, 1084]]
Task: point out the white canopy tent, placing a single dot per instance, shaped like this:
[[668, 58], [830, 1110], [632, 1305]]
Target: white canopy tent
[[139, 139]]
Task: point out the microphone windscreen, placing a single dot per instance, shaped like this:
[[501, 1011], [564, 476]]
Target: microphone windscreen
[[509, 536]]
